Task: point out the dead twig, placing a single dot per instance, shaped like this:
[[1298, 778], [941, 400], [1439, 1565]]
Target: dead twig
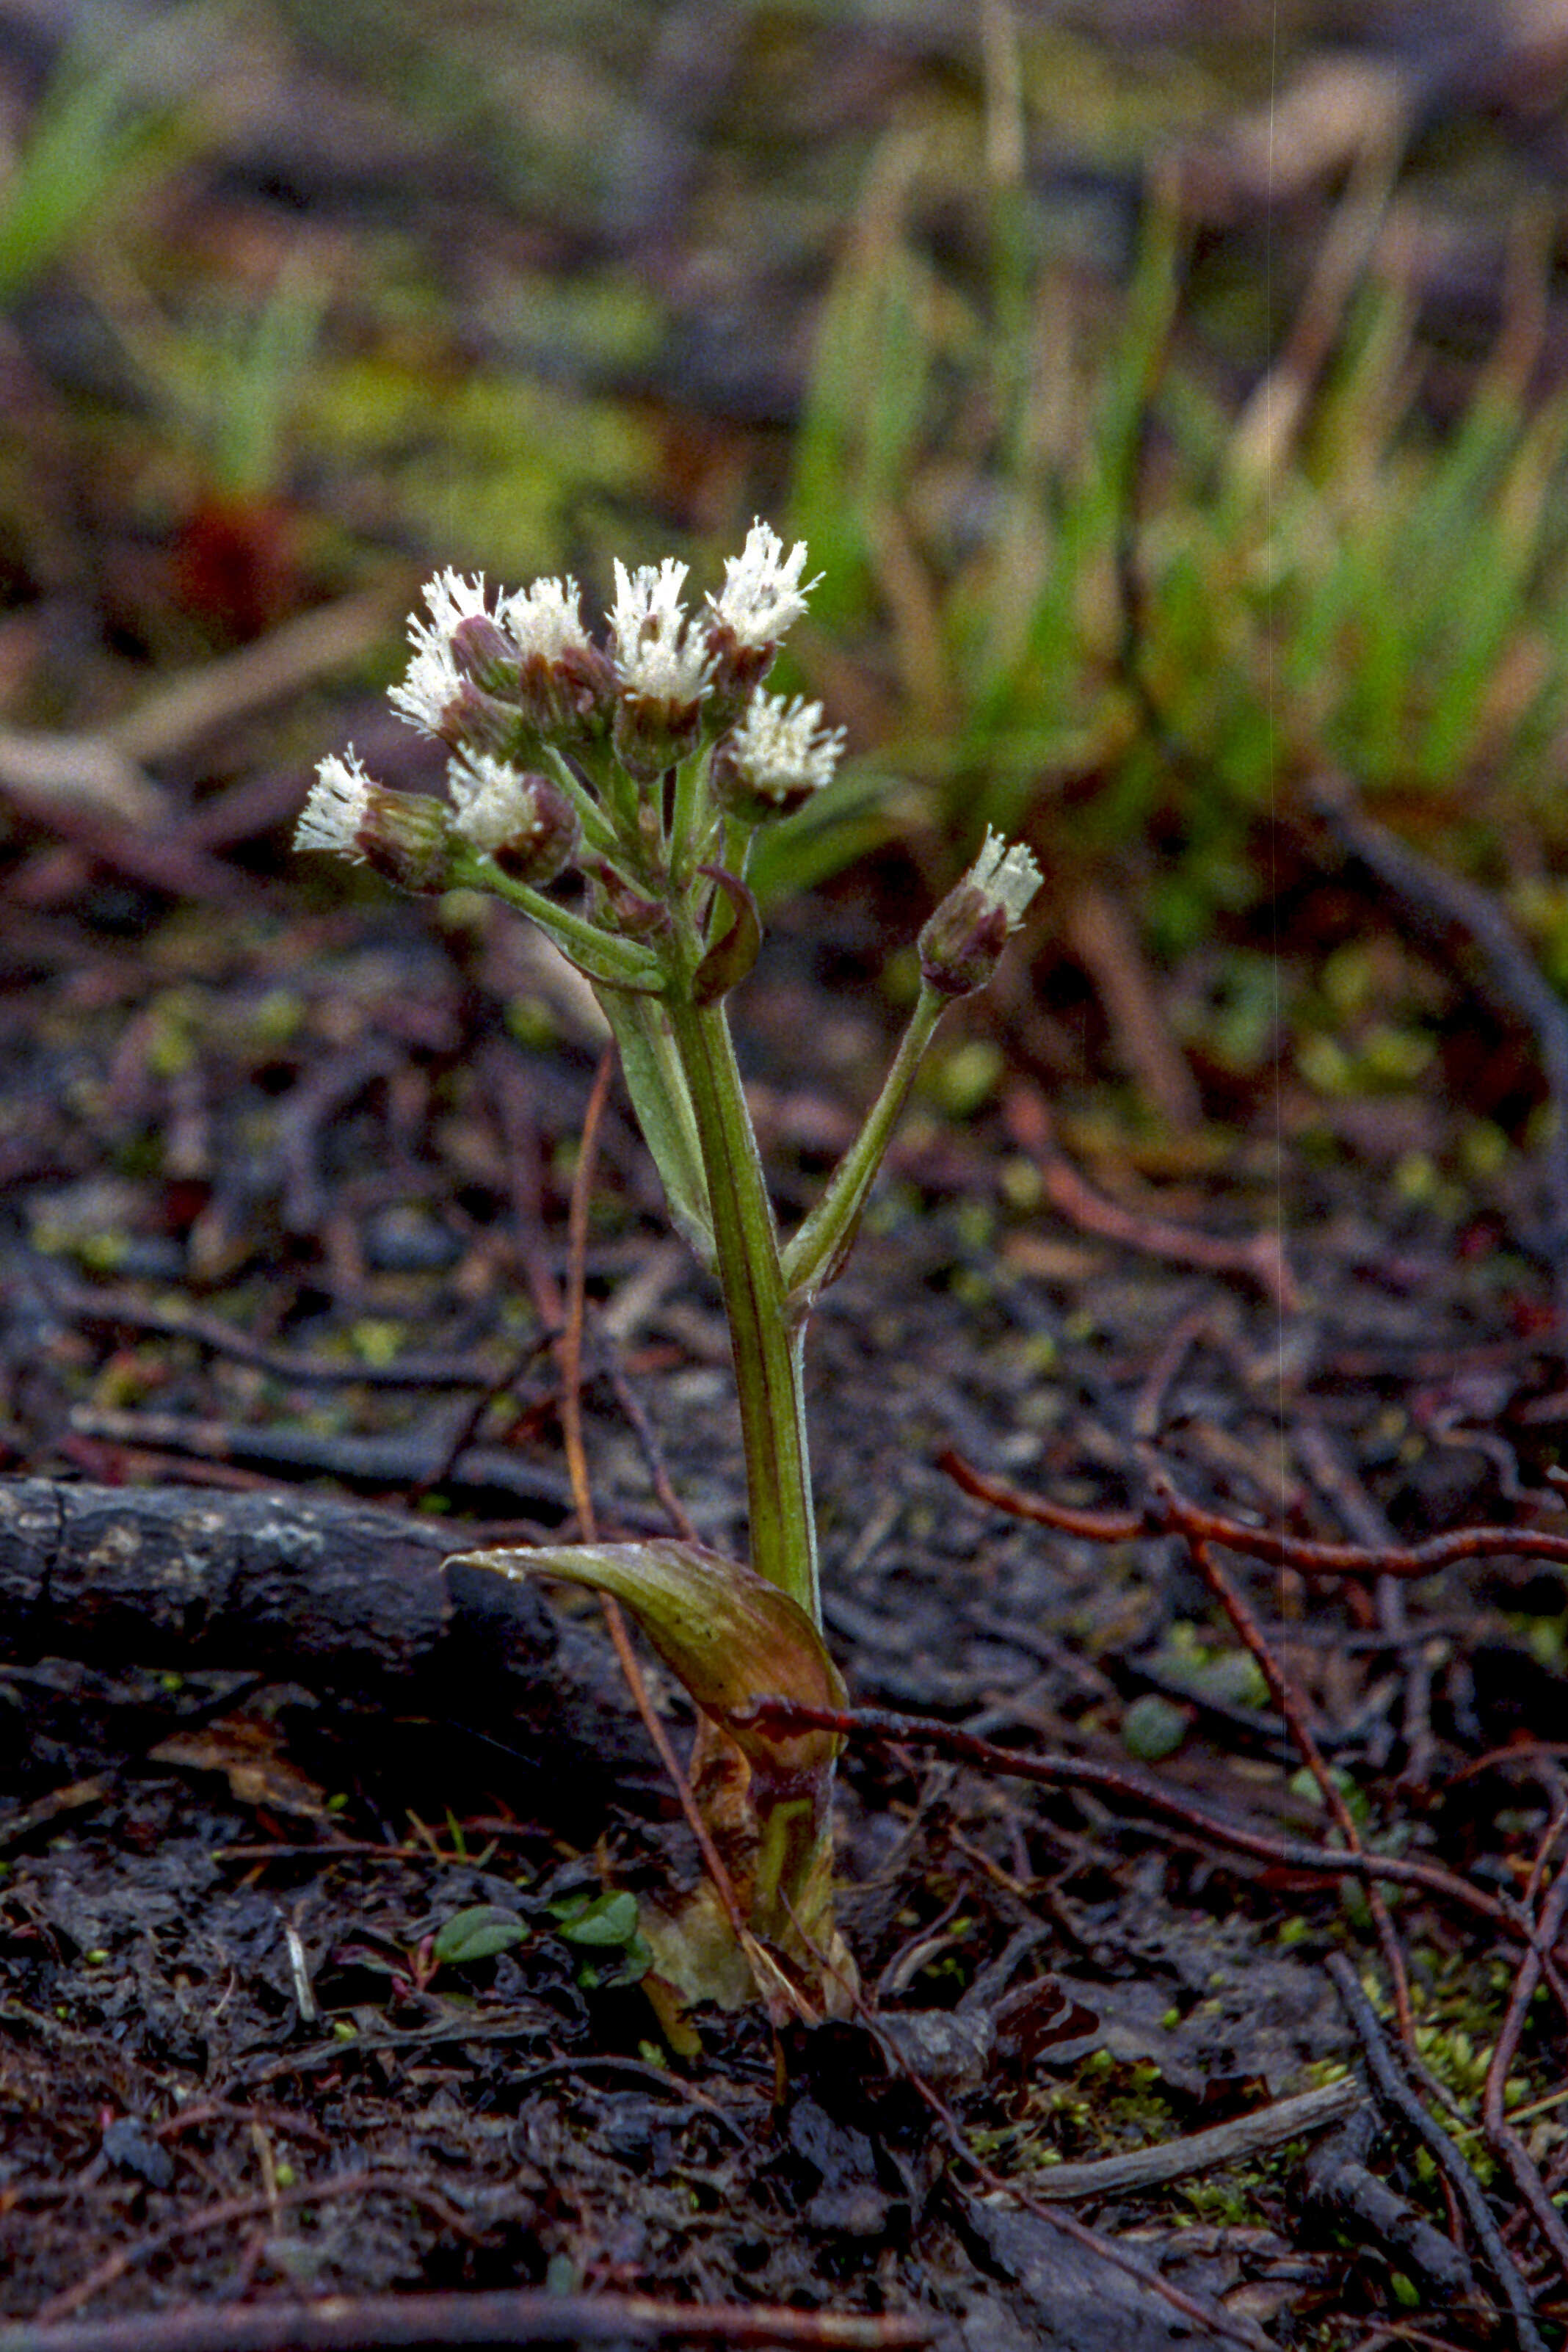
[[427, 2322], [1285, 1698], [1397, 2096], [1163, 1516], [1146, 1795], [1259, 1256], [1500, 2134], [1203, 2151]]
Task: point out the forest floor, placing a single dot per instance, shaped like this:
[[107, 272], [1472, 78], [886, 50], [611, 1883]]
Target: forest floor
[[317, 1973]]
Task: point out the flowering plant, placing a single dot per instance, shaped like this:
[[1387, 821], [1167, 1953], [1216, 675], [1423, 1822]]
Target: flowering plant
[[645, 765]]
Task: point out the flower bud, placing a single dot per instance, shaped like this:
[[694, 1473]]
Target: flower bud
[[474, 721], [524, 822], [962, 943], [405, 836], [481, 650], [565, 683], [626, 910]]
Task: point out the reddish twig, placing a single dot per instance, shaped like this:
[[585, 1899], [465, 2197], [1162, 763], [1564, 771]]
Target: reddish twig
[[1260, 1256], [1134, 1789], [1283, 1691], [427, 2322], [1164, 1515]]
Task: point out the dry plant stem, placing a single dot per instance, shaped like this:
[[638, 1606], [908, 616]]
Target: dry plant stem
[[1500, 2134], [1204, 2151], [430, 2323], [1163, 1515], [1261, 1259], [581, 1491], [1396, 2094], [1135, 1788], [1250, 1635]]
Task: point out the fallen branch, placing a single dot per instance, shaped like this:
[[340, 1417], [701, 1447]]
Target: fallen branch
[[1396, 2094], [1204, 2151], [359, 1598], [428, 2322], [1166, 1514]]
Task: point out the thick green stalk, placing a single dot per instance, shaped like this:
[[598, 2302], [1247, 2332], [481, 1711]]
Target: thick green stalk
[[819, 1248], [768, 1362]]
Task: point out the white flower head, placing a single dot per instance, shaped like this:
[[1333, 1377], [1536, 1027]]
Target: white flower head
[[544, 619], [1007, 873], [336, 808], [490, 798], [780, 753], [524, 822], [657, 653], [432, 677], [762, 594]]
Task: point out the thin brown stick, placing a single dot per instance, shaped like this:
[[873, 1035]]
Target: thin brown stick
[[422, 2323], [1137, 1790], [1500, 2134], [1160, 1517], [1283, 1691], [1259, 1256]]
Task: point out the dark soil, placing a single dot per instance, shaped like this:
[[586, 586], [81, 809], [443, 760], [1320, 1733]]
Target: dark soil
[[286, 1163]]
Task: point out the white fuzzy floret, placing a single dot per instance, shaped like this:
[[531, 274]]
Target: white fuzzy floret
[[656, 654], [781, 748], [432, 681], [1006, 872], [335, 808], [762, 593]]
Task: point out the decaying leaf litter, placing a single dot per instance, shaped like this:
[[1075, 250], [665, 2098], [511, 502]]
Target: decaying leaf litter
[[311, 1989]]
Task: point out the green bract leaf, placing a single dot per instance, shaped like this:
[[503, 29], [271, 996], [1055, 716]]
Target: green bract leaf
[[729, 960], [478, 1934], [731, 1636]]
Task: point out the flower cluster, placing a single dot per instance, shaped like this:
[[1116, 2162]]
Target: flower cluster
[[548, 729]]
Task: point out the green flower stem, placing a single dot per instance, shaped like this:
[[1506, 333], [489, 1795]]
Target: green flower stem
[[687, 816], [768, 1368], [819, 1249], [604, 956], [597, 831]]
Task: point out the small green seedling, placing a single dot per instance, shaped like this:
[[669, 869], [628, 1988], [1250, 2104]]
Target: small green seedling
[[646, 766]]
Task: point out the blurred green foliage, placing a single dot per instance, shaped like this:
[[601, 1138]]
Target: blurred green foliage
[[1124, 607]]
